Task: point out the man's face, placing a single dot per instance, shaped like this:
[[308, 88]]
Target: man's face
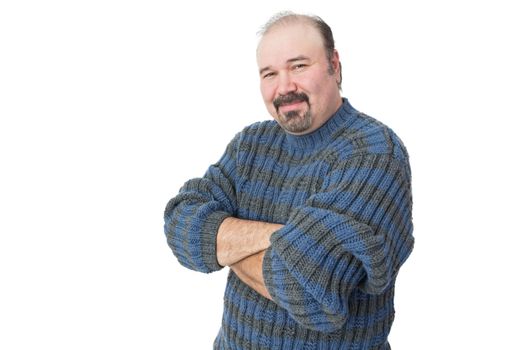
[[298, 87]]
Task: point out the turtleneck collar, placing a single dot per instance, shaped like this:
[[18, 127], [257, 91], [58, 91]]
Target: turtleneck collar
[[318, 137]]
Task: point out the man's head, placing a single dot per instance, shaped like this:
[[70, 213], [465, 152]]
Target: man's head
[[300, 72]]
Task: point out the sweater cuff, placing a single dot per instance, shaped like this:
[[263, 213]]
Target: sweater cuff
[[209, 232], [325, 250]]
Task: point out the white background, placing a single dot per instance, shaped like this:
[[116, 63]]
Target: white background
[[107, 107]]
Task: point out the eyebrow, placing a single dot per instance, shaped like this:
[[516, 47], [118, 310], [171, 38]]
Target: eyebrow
[[291, 60]]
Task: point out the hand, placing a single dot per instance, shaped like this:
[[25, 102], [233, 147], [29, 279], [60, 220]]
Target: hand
[[249, 270]]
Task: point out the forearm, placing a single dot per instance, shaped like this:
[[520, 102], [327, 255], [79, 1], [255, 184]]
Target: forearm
[[238, 239], [249, 270]]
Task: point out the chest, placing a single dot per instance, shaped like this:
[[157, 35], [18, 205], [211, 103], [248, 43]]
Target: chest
[[271, 184]]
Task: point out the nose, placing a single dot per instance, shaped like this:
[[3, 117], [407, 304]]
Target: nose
[[286, 84]]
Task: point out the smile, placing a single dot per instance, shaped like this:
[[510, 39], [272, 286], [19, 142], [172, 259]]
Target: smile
[[290, 106]]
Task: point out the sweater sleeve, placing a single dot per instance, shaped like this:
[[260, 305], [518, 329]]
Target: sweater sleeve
[[193, 217], [355, 233]]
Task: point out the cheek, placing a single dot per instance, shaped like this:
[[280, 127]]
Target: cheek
[[266, 92], [311, 85]]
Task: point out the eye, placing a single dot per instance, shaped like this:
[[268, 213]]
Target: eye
[[268, 75], [299, 66]]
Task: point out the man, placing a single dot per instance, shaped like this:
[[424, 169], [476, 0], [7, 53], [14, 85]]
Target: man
[[311, 211]]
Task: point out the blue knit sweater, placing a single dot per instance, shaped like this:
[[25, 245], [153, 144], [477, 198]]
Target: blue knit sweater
[[343, 194]]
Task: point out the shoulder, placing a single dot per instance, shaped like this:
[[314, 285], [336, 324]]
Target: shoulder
[[367, 135], [367, 147], [261, 132], [261, 127]]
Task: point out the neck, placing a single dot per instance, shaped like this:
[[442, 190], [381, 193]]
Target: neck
[[322, 119], [316, 138]]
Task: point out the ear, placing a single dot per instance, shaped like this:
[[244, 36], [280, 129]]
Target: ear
[[336, 64]]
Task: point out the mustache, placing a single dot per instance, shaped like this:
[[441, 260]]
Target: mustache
[[289, 98]]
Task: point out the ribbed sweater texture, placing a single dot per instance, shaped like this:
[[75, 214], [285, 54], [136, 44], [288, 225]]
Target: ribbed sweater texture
[[343, 194]]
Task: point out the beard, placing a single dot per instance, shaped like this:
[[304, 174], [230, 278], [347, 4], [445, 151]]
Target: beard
[[295, 121]]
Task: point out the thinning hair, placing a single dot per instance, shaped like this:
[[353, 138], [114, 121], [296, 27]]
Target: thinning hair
[[288, 17]]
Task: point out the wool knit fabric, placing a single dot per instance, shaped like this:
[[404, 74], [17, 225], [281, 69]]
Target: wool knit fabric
[[343, 194]]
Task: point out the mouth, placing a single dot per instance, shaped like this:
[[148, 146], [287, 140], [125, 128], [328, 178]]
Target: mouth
[[290, 102], [287, 107]]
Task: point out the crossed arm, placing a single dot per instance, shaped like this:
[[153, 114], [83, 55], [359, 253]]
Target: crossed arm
[[241, 244], [354, 233]]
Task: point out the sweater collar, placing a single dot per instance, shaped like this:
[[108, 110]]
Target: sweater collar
[[319, 136]]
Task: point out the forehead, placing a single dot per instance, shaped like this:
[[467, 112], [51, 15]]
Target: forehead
[[285, 41]]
